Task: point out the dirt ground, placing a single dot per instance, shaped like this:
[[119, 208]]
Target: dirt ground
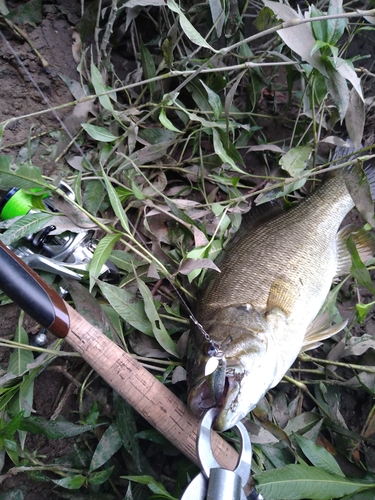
[[18, 95]]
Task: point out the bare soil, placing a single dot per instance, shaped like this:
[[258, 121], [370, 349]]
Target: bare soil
[[18, 96]]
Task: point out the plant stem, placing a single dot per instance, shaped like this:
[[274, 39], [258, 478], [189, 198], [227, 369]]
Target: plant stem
[[367, 369]]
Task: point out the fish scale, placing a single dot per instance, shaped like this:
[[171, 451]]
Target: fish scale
[[292, 242], [259, 310]]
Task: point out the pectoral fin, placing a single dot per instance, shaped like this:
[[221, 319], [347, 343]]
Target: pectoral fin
[[320, 329], [364, 241], [282, 296]]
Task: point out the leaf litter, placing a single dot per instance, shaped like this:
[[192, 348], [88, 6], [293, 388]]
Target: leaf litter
[[166, 176]]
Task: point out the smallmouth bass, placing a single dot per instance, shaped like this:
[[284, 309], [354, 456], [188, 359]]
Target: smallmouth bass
[[259, 311]]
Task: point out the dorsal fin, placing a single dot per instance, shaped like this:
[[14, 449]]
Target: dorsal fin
[[256, 216]]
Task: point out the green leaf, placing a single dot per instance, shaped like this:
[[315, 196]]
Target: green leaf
[[363, 495], [94, 196], [318, 456], [299, 38], [338, 88], [100, 88], [10, 428], [87, 24], [88, 306], [123, 193], [355, 119], [5, 162], [28, 224], [335, 27], [221, 152], [358, 270], [71, 483], [21, 403], [3, 8], [54, 429], [100, 477], [137, 192], [319, 45], [154, 485], [320, 28], [167, 47], [165, 121], [128, 306], [218, 16], [294, 161], [347, 71], [77, 187], [20, 358], [124, 260], [153, 435], [98, 133], [229, 147], [108, 445], [279, 192], [127, 428], [26, 176], [101, 254], [302, 423], [214, 100], [156, 135], [180, 214], [115, 321], [148, 66], [27, 13], [159, 330], [116, 203], [221, 124], [210, 251], [188, 28], [360, 191], [297, 482], [363, 310]]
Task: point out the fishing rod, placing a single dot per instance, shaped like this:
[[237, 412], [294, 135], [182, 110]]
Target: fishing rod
[[149, 397]]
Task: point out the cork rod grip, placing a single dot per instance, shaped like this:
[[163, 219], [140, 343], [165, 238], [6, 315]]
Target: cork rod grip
[[149, 397], [125, 375]]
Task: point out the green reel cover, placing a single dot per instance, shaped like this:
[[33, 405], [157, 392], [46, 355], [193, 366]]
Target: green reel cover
[[17, 202]]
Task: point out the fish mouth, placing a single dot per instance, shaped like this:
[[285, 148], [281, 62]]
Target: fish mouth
[[201, 398]]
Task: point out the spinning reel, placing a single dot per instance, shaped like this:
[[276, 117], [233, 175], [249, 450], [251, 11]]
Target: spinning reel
[[67, 254]]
